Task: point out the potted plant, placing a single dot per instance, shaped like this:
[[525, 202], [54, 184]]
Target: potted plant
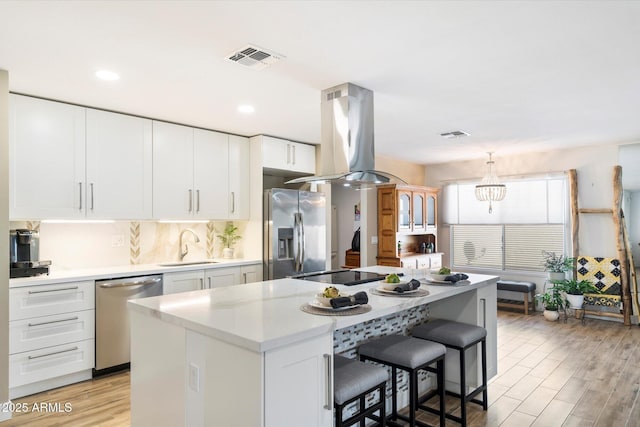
[[556, 265], [575, 290], [553, 302], [229, 237]]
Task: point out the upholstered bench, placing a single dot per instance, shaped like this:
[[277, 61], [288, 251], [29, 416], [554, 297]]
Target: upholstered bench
[[527, 289]]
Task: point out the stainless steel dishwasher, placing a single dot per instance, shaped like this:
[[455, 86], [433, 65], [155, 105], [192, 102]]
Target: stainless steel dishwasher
[[112, 318]]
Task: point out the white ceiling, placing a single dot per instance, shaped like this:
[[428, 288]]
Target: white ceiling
[[518, 76]]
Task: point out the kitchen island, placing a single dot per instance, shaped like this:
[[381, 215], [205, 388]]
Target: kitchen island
[[249, 356]]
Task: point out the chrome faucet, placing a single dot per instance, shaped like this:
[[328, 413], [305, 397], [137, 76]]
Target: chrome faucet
[[185, 251]]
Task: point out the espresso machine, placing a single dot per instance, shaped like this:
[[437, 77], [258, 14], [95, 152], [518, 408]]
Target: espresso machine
[[24, 254]]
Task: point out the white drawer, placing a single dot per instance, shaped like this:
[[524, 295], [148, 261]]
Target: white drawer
[[48, 331], [436, 261], [51, 362], [38, 301]]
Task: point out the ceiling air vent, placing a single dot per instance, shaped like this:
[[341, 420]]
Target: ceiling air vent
[[454, 134], [254, 57]]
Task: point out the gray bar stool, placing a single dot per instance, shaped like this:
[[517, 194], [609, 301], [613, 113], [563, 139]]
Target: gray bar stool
[[459, 336], [410, 355], [354, 380]]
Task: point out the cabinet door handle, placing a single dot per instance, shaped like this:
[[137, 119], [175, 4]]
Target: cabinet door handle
[[209, 282], [233, 202], [80, 191], [197, 201], [244, 277], [190, 201], [91, 188], [328, 404], [293, 154], [53, 290], [52, 353], [201, 283], [52, 321], [484, 312]]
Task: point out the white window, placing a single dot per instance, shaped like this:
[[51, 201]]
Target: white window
[[533, 217]]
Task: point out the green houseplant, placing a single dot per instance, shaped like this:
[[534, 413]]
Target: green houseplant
[[556, 265], [575, 290], [229, 237], [552, 301]]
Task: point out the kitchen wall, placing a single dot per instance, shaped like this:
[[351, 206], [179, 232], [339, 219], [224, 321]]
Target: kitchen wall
[[411, 173], [4, 249], [344, 199], [594, 167], [90, 245]]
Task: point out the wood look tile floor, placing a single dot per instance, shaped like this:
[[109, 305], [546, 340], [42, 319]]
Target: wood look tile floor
[[549, 374]]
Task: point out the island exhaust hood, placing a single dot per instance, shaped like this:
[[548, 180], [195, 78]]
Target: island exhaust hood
[[347, 149]]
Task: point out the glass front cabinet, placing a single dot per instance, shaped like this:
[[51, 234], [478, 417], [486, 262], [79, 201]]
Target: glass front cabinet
[[407, 222], [416, 210]]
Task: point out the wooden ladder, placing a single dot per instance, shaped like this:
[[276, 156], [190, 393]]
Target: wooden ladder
[[622, 243]]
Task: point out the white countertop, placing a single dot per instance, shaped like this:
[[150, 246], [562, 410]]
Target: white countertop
[[121, 271], [265, 315]]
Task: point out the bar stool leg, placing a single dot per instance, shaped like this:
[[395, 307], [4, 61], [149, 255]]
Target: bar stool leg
[[413, 396], [440, 376], [463, 392], [485, 402], [394, 399]]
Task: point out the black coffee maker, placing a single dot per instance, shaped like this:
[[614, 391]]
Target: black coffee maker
[[24, 254]]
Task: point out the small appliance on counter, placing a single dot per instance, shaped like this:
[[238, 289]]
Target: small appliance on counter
[[24, 254]]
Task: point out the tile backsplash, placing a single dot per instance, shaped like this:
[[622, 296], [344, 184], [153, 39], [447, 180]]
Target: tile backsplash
[[91, 245]]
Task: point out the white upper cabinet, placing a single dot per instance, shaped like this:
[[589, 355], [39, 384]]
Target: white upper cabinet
[[118, 184], [238, 177], [211, 174], [195, 174], [47, 159], [173, 196], [288, 156], [70, 162]]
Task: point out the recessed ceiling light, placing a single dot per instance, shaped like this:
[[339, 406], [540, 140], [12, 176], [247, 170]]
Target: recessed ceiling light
[[246, 109], [107, 75]]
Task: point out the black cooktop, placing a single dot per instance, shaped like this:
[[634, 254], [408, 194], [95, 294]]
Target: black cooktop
[[343, 277]]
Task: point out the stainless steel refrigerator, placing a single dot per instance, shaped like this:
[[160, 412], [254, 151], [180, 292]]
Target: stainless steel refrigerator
[[294, 233]]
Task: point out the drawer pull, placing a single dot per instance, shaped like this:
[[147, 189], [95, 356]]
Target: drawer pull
[[52, 321], [53, 353], [129, 283], [53, 290], [328, 404]]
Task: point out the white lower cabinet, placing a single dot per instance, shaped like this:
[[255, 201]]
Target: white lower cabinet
[[201, 381], [211, 278], [251, 273], [51, 362], [219, 277], [422, 261], [183, 281], [48, 331], [298, 385], [51, 336]]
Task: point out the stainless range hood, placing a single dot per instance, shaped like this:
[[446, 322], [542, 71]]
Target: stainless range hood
[[347, 149]]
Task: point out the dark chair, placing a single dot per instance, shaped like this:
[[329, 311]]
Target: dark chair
[[459, 336]]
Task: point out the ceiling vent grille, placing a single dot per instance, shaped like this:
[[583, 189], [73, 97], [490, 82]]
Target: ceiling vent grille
[[254, 57], [454, 134]]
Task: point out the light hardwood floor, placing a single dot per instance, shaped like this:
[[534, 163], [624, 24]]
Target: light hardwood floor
[[549, 374]]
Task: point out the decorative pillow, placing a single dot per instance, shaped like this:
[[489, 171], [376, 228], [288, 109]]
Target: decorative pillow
[[604, 273]]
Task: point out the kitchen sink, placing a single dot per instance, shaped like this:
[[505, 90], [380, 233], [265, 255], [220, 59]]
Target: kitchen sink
[[183, 263]]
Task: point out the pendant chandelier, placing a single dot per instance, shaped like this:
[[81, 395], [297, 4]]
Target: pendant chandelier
[[490, 188]]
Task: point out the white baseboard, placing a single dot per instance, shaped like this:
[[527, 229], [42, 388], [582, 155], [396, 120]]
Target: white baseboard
[[40, 386], [5, 415]]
